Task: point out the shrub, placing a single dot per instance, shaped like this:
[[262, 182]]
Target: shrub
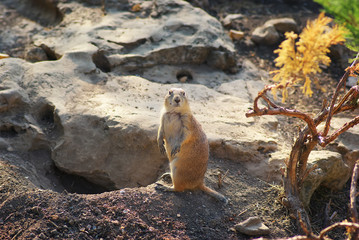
[[300, 59]]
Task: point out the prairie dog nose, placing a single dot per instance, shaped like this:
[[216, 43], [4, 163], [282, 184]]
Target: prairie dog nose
[[177, 99]]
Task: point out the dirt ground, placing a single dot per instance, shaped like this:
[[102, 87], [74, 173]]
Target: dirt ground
[[27, 212]]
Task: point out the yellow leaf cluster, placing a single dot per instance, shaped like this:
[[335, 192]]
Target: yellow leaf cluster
[[299, 59]]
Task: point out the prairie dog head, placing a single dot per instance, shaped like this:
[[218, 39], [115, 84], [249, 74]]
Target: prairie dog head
[[176, 100]]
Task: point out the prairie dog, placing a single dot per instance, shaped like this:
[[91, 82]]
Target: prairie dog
[[181, 137]]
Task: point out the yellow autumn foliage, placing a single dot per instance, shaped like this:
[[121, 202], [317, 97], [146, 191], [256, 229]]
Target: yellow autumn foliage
[[300, 59]]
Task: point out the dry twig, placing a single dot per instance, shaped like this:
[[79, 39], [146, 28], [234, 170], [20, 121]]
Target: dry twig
[[309, 137], [353, 194]]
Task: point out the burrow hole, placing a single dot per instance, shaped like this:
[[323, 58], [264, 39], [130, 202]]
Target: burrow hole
[[101, 61], [184, 76]]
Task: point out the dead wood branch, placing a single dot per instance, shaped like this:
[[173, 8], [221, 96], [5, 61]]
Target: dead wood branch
[[335, 225], [341, 84], [353, 226], [353, 194], [325, 141], [322, 234], [274, 109], [309, 137]]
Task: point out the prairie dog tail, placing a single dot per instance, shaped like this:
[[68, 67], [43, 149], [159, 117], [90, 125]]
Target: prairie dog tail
[[214, 194]]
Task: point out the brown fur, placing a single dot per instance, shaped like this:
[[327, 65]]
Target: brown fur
[[181, 137]]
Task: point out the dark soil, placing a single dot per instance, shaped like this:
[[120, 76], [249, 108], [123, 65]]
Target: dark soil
[[28, 212]]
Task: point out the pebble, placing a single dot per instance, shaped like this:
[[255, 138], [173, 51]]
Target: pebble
[[253, 226], [268, 33], [236, 35], [228, 20], [3, 55], [283, 25], [265, 35]]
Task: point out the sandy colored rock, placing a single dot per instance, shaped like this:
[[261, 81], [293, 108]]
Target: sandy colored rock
[[4, 55], [283, 25], [266, 35], [228, 20], [236, 35], [102, 127], [329, 170], [253, 226], [132, 40]]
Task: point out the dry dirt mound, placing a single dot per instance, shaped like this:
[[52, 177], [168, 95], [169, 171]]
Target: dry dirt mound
[[27, 212]]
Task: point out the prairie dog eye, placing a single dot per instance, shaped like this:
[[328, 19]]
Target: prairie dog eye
[[183, 93], [170, 92]]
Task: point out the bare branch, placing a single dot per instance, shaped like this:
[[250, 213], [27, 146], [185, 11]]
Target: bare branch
[[276, 110], [351, 95], [325, 141], [335, 96], [304, 226], [322, 233], [340, 224], [309, 137], [291, 238], [353, 188]]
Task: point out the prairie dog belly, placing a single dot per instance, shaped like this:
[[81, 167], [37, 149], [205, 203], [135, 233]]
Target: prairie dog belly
[[173, 129]]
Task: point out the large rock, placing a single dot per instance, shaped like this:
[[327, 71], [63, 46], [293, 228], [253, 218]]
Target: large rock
[[102, 125], [328, 169], [156, 34]]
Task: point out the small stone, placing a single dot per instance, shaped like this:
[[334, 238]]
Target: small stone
[[228, 20], [3, 55], [283, 25], [236, 35], [10, 149], [253, 226], [266, 35]]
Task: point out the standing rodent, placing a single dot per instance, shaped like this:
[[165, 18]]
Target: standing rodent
[[186, 145]]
